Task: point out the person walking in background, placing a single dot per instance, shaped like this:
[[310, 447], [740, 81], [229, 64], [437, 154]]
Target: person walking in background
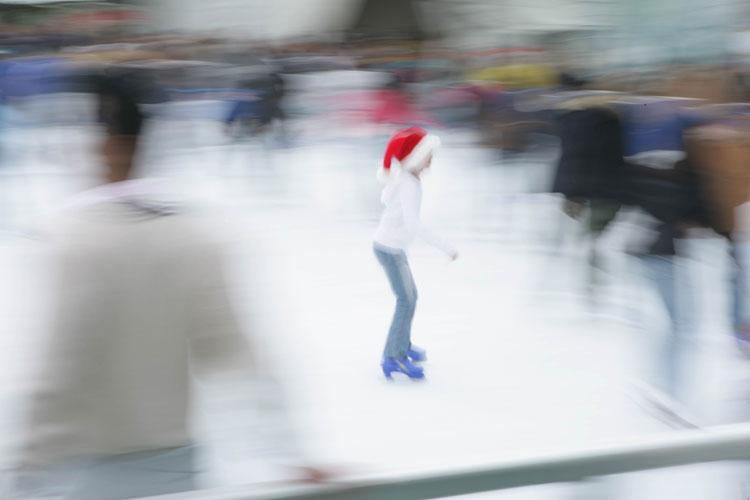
[[669, 202], [399, 225], [258, 108]]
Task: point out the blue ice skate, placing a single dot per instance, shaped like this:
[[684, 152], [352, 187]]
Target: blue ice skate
[[417, 354], [403, 365]]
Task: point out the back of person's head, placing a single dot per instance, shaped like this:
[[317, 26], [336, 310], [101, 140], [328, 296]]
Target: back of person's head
[[121, 94], [118, 108]]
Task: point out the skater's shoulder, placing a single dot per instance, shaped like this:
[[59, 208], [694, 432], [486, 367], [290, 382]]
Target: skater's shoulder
[[409, 185], [403, 178]]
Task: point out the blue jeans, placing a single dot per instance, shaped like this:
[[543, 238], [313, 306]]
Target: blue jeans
[[402, 283], [739, 283], [660, 270]]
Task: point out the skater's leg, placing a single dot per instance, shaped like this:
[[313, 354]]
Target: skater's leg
[[402, 283]]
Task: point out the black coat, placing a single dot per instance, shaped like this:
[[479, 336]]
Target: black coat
[[591, 163], [671, 196]]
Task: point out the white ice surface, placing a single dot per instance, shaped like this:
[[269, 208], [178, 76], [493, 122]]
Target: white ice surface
[[520, 360]]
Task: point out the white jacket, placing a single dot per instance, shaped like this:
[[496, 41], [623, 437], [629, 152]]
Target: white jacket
[[400, 222]]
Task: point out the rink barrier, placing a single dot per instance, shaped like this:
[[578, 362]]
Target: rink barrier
[[721, 443]]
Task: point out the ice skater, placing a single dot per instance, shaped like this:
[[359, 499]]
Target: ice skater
[[399, 225]]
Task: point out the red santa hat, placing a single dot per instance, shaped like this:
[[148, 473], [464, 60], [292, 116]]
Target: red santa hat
[[411, 147]]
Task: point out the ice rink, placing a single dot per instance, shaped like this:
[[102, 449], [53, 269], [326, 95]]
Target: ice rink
[[524, 358]]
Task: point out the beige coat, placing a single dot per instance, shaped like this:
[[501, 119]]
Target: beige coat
[[138, 295]]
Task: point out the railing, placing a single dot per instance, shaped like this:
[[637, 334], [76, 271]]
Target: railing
[[723, 443]]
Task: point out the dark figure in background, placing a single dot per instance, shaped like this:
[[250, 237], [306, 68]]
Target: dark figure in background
[[590, 171], [672, 198], [259, 110]]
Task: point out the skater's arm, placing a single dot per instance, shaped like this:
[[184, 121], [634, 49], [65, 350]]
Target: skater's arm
[[437, 241], [237, 361]]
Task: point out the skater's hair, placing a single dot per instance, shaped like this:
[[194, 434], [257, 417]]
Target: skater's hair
[[118, 108], [121, 93]]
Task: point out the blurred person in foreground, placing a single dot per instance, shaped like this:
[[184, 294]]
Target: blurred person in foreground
[[399, 225], [140, 304]]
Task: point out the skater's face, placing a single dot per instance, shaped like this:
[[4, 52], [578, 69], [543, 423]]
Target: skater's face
[[425, 165]]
